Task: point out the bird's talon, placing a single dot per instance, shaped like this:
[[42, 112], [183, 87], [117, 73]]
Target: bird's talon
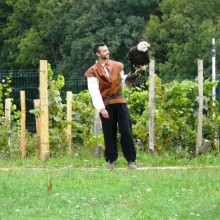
[[143, 67]]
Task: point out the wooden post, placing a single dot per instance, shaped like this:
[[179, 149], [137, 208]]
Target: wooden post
[[23, 124], [7, 109], [44, 117], [37, 120], [200, 85], [69, 119], [7, 114], [151, 106], [97, 131]]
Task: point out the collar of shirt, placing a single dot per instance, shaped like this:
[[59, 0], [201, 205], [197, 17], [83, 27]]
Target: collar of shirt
[[106, 70]]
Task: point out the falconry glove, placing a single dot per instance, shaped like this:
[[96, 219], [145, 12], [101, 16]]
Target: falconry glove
[[133, 78]]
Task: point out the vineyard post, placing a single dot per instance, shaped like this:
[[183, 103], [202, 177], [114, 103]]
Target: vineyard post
[[200, 85], [7, 114], [23, 123], [151, 106], [219, 111], [44, 116], [37, 120], [69, 119]]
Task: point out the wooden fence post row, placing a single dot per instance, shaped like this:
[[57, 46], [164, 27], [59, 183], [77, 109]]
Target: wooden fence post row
[[42, 122]]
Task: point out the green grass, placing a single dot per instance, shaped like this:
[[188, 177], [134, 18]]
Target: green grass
[[84, 158], [119, 194], [82, 188]]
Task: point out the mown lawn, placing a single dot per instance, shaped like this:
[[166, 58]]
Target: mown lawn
[[101, 194], [82, 188]]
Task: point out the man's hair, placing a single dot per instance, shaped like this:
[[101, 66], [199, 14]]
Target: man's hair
[[96, 47]]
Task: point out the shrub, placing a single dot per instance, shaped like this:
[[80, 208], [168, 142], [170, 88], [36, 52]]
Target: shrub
[[175, 112]]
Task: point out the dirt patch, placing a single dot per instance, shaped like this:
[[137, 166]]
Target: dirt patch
[[98, 168]]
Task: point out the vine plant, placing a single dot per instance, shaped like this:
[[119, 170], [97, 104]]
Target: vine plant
[[10, 130], [58, 138]]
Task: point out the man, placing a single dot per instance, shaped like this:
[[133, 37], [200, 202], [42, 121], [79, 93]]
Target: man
[[104, 85]]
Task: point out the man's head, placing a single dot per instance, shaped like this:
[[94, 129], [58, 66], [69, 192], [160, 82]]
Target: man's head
[[101, 51], [96, 47]]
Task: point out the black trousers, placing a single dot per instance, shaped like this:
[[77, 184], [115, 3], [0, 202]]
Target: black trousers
[[118, 115]]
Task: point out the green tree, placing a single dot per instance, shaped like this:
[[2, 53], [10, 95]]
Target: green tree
[[31, 49], [119, 24], [182, 34], [31, 34], [16, 28], [64, 31], [5, 12]]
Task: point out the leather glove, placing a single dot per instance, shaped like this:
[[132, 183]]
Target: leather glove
[[133, 78]]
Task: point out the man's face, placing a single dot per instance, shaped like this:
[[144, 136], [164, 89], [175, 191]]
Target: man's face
[[104, 53]]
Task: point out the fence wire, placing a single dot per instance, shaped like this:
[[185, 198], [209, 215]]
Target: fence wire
[[28, 81]]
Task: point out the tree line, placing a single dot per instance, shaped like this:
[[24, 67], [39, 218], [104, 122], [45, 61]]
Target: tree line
[[63, 31]]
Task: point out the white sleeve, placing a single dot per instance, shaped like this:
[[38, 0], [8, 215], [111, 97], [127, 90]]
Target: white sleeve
[[93, 87], [123, 78]]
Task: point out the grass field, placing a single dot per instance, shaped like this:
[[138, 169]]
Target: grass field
[[82, 188]]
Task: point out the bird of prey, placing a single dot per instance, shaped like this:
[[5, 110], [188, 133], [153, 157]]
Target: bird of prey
[[139, 55]]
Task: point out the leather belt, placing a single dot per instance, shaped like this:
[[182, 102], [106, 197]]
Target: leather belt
[[113, 96]]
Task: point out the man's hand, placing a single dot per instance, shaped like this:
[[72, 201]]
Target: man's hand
[[104, 113]]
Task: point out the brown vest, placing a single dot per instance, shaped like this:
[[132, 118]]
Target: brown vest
[[107, 85]]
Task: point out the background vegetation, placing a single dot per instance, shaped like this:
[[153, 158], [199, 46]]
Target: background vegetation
[[63, 32], [176, 111]]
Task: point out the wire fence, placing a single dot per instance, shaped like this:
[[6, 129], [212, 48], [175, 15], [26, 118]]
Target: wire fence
[[28, 81]]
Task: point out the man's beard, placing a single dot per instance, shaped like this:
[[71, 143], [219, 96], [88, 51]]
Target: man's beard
[[104, 57]]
